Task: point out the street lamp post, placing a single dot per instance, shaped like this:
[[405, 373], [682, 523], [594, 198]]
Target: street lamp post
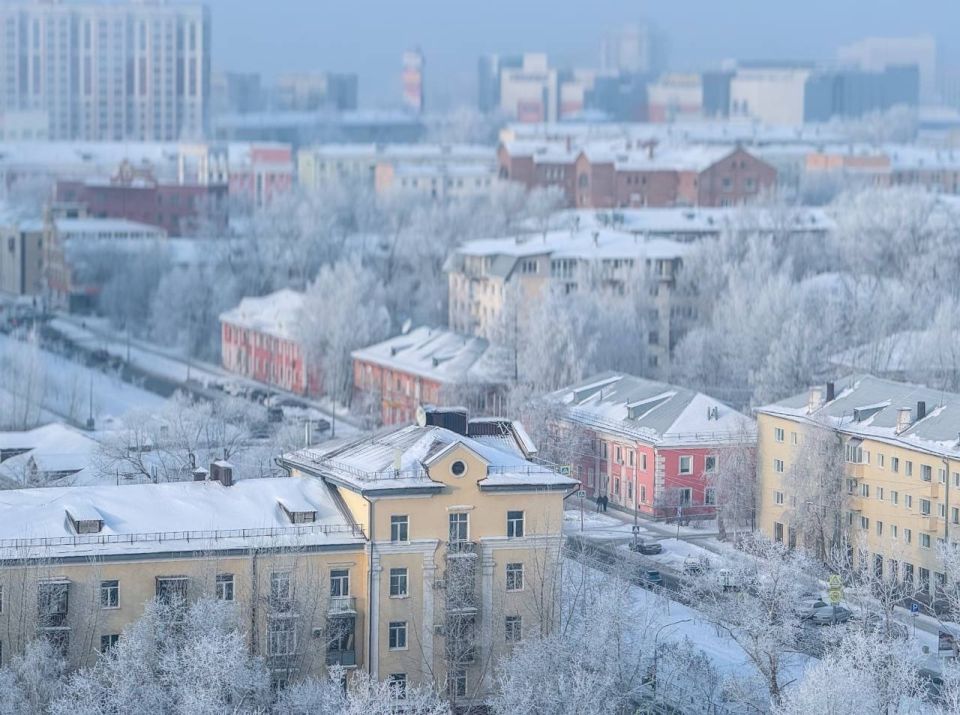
[[656, 649]]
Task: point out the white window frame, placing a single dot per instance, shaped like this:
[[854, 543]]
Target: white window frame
[[689, 469]]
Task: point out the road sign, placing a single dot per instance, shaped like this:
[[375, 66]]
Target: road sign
[[915, 608], [836, 595], [582, 493], [836, 581], [565, 470]]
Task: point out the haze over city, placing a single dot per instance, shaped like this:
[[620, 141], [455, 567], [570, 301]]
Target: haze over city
[[444, 358]]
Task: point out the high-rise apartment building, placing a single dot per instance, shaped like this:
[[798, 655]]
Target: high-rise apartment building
[[108, 71]]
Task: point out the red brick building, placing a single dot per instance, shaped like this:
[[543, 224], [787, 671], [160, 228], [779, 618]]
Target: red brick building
[[259, 340], [259, 173], [649, 446], [621, 175], [430, 366], [135, 194]]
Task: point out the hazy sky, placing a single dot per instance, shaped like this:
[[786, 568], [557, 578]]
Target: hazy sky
[[368, 36]]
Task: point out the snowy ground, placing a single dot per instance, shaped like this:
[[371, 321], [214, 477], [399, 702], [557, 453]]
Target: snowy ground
[[69, 385]]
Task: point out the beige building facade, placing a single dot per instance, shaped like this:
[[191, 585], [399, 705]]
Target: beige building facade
[[900, 487]]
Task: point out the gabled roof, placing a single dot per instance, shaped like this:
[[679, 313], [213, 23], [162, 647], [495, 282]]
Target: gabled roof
[[653, 412], [397, 461], [275, 314], [440, 355], [868, 407]]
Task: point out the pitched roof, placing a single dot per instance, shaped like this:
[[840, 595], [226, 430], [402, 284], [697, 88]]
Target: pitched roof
[[440, 355], [275, 314], [654, 412]]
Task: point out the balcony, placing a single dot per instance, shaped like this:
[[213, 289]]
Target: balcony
[[52, 621], [930, 523], [855, 471], [855, 502], [935, 490], [342, 606], [462, 548], [346, 658]]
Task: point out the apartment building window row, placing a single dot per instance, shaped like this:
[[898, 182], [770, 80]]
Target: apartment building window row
[[398, 583], [514, 577], [397, 635], [514, 629]]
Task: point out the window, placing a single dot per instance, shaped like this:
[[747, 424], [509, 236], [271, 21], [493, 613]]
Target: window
[[710, 496], [458, 468], [778, 466], [459, 526], [281, 637], [281, 592], [457, 683], [924, 541], [398, 583], [879, 528], [399, 528], [172, 589], [880, 493], [686, 464], [603, 450], [778, 532], [865, 490], [514, 626], [398, 635], [686, 496], [893, 530], [619, 454], [225, 587], [908, 536], [339, 582], [778, 497], [515, 577], [794, 440], [925, 507], [894, 498], [107, 642], [630, 457], [926, 472], [109, 594], [941, 510], [643, 462], [908, 468], [908, 501], [954, 517], [864, 523], [894, 464], [778, 434], [398, 685], [643, 493], [515, 523], [880, 459], [942, 475], [710, 464]]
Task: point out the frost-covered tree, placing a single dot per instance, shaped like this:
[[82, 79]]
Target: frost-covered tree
[[30, 682], [734, 481], [190, 659], [864, 673], [25, 383], [359, 695]]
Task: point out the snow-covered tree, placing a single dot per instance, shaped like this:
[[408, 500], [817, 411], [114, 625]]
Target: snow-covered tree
[[25, 383], [357, 694], [30, 682]]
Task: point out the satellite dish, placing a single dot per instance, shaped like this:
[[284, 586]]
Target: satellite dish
[[421, 416]]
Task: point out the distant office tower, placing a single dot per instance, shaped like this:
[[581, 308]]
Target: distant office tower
[[633, 49], [489, 70], [235, 93], [876, 54], [530, 92], [108, 71], [312, 91], [412, 78]]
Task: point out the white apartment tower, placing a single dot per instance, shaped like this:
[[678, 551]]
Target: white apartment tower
[[108, 71]]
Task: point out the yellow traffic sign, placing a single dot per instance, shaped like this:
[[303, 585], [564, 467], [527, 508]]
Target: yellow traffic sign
[[836, 595], [836, 581]]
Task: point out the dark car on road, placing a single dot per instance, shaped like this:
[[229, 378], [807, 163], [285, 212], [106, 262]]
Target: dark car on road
[[641, 547], [651, 579]]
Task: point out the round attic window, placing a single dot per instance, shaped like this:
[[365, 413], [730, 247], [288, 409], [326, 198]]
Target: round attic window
[[459, 468]]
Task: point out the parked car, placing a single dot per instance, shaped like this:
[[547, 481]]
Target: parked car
[[727, 580], [641, 547], [695, 567], [651, 579], [824, 614], [873, 623]]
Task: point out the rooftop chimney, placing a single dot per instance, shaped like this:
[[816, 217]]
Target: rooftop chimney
[[815, 401], [451, 418], [831, 393], [921, 410], [200, 474], [903, 419], [222, 471]]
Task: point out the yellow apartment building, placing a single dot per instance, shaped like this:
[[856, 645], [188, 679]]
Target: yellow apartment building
[[463, 539], [419, 554], [899, 446]]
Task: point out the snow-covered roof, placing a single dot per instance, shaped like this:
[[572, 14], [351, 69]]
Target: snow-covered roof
[[691, 223], [276, 314], [651, 411], [905, 157], [118, 227], [52, 448], [175, 516], [579, 244], [440, 355], [403, 152], [397, 461], [876, 402]]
